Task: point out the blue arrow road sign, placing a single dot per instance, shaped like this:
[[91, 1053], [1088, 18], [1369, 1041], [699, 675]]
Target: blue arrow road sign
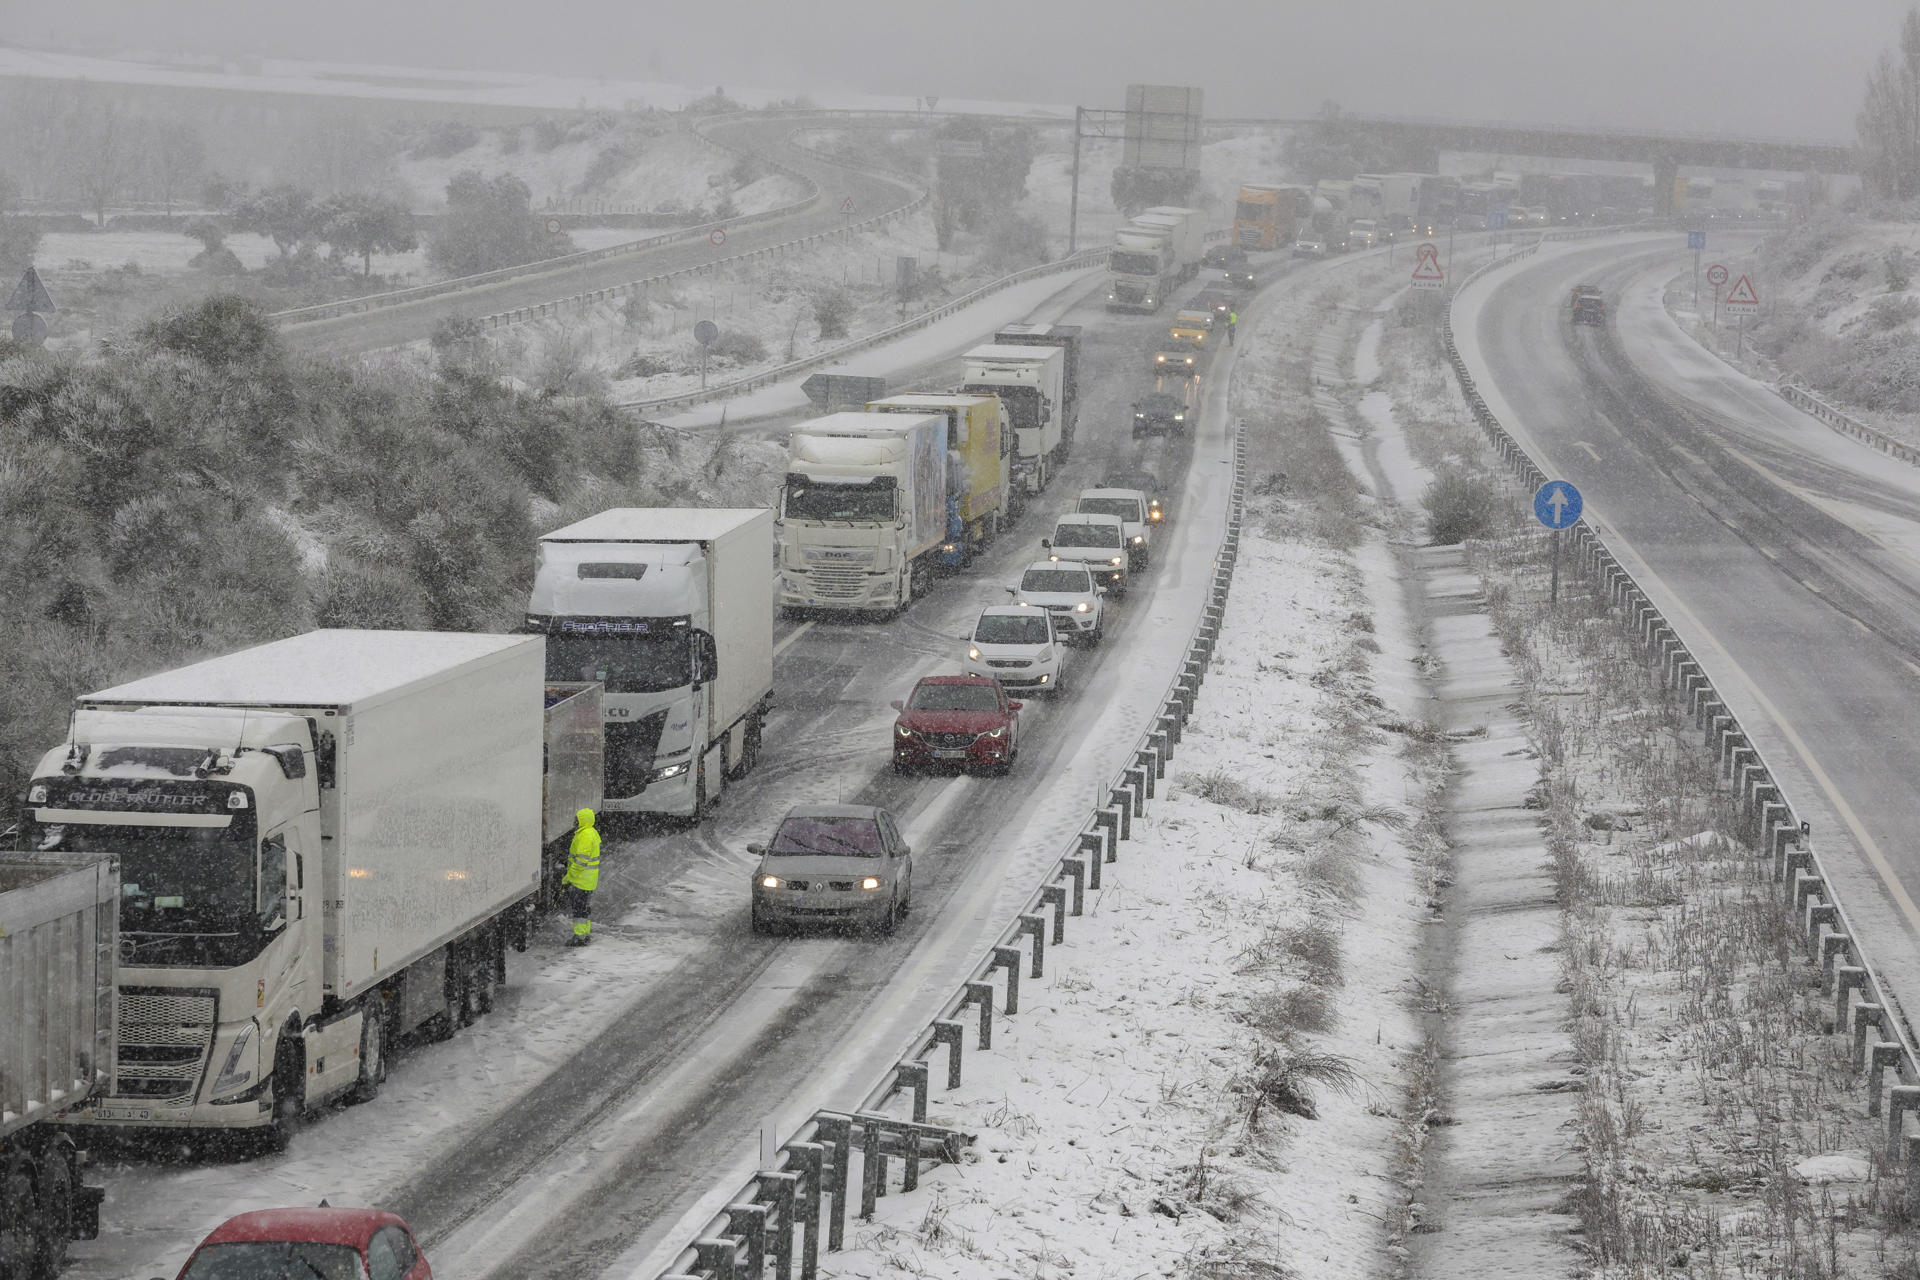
[[1497, 218], [1557, 504], [1696, 239]]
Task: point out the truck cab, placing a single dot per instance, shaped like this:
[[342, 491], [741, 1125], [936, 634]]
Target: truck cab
[[1097, 541]]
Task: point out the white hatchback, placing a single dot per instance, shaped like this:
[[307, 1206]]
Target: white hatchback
[[1065, 589], [1021, 646]]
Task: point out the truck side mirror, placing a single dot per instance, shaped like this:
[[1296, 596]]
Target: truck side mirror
[[706, 659]]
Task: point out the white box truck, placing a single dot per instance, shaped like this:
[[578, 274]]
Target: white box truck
[[1031, 382], [671, 610], [1141, 273], [863, 512], [325, 842], [58, 936], [1186, 236]]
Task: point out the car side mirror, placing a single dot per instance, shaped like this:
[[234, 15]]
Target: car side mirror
[[898, 704], [1047, 543], [1013, 591], [906, 850], [1015, 706], [1099, 591], [756, 849]]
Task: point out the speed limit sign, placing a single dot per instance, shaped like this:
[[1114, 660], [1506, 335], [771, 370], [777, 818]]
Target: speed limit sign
[[553, 226], [1716, 275], [717, 236]]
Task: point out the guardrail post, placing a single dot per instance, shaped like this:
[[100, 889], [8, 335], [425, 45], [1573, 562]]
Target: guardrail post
[[1885, 1054], [1901, 1099], [873, 1164], [1108, 821], [951, 1034], [780, 1188], [914, 1076], [836, 1134], [1147, 759], [1157, 741], [1120, 801], [1167, 726], [1055, 896], [1847, 978], [1093, 846], [811, 1157], [716, 1257], [1076, 870], [748, 1222], [1037, 926], [1137, 781], [1010, 959], [980, 993]]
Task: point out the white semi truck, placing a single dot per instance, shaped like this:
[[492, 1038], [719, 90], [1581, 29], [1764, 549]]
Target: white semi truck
[[1141, 271], [325, 842], [863, 512], [671, 610], [58, 935], [1186, 235], [1031, 382]]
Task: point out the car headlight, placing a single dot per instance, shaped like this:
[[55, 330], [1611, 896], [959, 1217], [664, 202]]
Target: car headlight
[[1053, 557], [973, 651], [1083, 607], [1179, 417], [902, 731], [1116, 560], [870, 882], [1139, 538], [1001, 732], [1153, 515], [236, 1073], [769, 882]]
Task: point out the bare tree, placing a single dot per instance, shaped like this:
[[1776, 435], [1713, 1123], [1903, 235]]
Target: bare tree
[[1888, 123], [178, 155], [102, 154]]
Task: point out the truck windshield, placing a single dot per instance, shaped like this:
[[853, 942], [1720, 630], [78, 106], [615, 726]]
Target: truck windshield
[[849, 502], [626, 662], [1022, 402], [1250, 211], [187, 894], [1133, 264]]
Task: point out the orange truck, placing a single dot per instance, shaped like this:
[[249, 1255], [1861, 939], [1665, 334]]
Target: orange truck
[[1269, 217]]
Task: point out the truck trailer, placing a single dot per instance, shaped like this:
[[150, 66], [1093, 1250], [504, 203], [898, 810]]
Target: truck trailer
[[1032, 382], [325, 843], [980, 453], [670, 609], [59, 933], [863, 512], [1187, 236], [1067, 338]]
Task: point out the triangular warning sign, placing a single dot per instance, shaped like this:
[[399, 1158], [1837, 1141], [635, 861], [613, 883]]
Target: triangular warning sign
[[30, 294], [846, 206], [1427, 263], [1742, 294]]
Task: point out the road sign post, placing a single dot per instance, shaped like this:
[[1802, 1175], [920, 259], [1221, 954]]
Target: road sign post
[[1696, 241], [704, 333], [1557, 505], [1716, 277], [1743, 300]]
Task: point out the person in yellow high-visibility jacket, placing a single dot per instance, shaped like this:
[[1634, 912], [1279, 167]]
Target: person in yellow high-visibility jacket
[[583, 875]]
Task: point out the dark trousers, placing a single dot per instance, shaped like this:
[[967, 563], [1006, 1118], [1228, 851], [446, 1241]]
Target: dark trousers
[[579, 902]]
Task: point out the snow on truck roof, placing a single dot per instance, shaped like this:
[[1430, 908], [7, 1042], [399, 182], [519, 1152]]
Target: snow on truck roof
[[318, 669], [1021, 351], [657, 524]]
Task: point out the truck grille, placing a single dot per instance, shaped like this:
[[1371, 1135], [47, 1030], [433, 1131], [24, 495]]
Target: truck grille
[[838, 582], [164, 1041]]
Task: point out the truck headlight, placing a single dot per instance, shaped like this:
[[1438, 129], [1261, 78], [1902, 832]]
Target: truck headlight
[[1116, 560], [671, 771], [1139, 538], [37, 794], [236, 1073]]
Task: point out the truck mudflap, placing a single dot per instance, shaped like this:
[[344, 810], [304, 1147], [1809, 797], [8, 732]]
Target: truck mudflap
[[86, 1212]]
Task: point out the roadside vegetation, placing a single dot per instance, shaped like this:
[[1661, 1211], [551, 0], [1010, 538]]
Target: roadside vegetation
[[198, 488]]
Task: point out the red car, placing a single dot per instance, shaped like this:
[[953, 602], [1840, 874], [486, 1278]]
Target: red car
[[965, 721], [309, 1244]]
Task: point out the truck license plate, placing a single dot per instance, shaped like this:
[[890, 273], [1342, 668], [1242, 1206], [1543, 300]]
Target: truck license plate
[[122, 1113], [950, 753]]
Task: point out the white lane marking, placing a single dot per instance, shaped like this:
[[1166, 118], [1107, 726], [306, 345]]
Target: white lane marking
[[1591, 451], [798, 631]]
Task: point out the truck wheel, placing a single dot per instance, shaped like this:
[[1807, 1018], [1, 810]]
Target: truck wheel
[[19, 1221], [286, 1102], [453, 1003], [699, 791], [56, 1213], [373, 1052]]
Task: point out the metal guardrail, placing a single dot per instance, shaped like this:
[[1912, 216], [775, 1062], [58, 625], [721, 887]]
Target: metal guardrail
[[811, 1175], [397, 297], [1862, 1002], [1084, 259], [1800, 398]]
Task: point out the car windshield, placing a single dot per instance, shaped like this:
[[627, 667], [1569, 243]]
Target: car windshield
[[955, 697], [857, 837], [275, 1260], [1012, 628], [1069, 580], [1125, 508], [1086, 535], [1195, 319]]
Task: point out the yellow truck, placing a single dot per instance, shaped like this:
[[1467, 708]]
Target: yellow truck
[[979, 468]]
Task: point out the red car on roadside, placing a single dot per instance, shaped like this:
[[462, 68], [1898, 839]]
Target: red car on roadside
[[967, 722], [309, 1244]]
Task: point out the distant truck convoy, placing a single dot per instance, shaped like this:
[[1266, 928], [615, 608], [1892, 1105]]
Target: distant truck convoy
[[863, 512], [1031, 380], [325, 843], [1270, 217], [671, 609], [59, 933]]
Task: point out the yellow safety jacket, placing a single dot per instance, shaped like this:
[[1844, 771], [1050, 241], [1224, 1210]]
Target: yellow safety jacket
[[583, 855]]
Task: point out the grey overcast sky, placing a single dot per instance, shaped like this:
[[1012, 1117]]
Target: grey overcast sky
[[1773, 67]]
